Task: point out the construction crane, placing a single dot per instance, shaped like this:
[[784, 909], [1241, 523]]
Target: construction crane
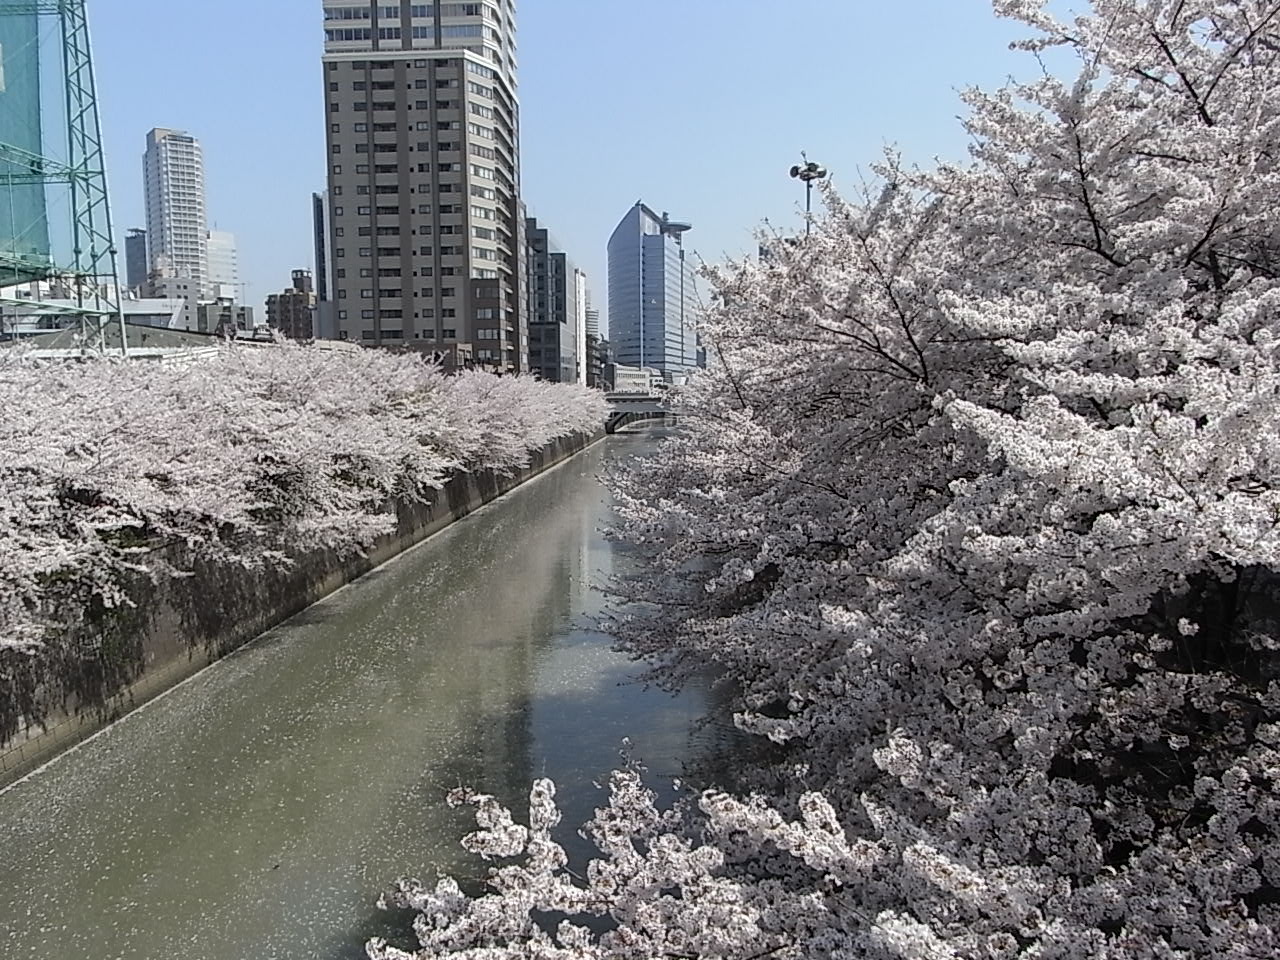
[[32, 173]]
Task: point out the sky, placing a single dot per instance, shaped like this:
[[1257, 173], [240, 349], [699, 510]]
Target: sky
[[697, 107]]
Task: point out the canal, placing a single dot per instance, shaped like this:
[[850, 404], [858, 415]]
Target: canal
[[258, 810]]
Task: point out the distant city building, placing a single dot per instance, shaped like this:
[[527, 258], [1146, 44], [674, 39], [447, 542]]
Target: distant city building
[[592, 316], [651, 293], [224, 267], [224, 318], [598, 357], [557, 309], [325, 322], [320, 228], [177, 222], [40, 307], [136, 265], [165, 284], [624, 379], [426, 228], [293, 312]]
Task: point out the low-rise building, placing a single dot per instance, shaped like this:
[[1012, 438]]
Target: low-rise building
[[638, 380], [293, 312], [225, 318]]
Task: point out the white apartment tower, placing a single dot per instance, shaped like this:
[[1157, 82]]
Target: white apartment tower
[[426, 228], [223, 280], [177, 222]]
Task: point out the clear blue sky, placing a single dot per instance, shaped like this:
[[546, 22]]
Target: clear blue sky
[[698, 107]]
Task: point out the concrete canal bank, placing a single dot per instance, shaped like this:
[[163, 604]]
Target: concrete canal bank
[[183, 625]]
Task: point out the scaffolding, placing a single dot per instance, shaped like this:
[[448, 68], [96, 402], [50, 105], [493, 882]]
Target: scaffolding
[[46, 62]]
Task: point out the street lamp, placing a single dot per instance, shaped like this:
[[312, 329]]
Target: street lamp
[[808, 172]]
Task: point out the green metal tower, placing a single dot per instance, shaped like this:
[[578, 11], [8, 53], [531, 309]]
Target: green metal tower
[[58, 165]]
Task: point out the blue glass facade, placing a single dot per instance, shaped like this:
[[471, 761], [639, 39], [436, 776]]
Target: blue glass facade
[[652, 293]]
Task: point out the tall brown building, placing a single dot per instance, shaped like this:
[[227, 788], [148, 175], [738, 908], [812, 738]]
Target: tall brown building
[[425, 219], [293, 312]]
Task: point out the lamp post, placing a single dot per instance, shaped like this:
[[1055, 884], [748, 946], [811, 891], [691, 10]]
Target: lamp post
[[808, 171]]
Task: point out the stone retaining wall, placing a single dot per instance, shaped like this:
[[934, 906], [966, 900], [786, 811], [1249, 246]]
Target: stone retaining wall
[[192, 622]]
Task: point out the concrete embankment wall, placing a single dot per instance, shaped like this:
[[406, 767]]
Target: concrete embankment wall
[[185, 624]]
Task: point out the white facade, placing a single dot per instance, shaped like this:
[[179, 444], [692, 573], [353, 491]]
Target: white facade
[[224, 267], [635, 379], [177, 220], [580, 324]]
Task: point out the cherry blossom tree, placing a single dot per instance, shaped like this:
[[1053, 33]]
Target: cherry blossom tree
[[978, 511], [249, 459]]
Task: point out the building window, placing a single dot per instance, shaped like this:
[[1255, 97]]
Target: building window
[[339, 252], [361, 128], [339, 232], [366, 314], [366, 294], [337, 148], [337, 168]]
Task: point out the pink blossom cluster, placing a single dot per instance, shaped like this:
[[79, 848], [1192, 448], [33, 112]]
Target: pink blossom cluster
[[979, 511]]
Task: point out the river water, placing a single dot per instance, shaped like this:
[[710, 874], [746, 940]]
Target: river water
[[258, 810]]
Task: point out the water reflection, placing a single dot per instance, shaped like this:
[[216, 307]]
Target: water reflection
[[258, 810]]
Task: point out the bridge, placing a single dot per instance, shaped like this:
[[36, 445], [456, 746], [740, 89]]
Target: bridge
[[628, 408]]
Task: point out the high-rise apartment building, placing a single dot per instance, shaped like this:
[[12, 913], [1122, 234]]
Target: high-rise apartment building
[[557, 309], [135, 260], [426, 228], [651, 293], [223, 281], [177, 222]]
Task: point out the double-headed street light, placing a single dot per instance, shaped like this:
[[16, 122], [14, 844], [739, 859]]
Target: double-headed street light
[[808, 172]]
